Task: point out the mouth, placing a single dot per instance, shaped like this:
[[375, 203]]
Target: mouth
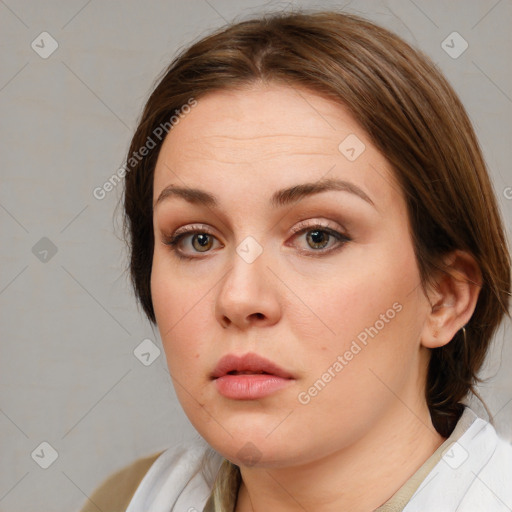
[[247, 372], [248, 364], [249, 377]]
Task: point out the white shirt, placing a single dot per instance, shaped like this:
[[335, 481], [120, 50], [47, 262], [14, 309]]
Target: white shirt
[[474, 474]]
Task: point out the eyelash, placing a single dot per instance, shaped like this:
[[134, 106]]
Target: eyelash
[[173, 240]]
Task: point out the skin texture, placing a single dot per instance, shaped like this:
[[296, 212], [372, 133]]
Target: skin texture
[[299, 304]]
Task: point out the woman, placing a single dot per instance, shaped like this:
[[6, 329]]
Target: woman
[[313, 230]]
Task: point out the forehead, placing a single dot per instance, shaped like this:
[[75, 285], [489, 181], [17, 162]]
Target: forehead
[[270, 136], [273, 118]]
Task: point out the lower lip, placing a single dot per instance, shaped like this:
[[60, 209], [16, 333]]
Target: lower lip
[[249, 387]]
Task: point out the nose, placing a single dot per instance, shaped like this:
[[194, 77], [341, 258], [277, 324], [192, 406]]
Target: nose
[[248, 295]]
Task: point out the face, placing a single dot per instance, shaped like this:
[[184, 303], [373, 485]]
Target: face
[[315, 285]]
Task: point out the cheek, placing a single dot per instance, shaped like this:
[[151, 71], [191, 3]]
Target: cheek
[[175, 295], [349, 301], [379, 302], [179, 311]]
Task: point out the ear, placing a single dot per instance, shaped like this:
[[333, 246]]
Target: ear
[[453, 298]]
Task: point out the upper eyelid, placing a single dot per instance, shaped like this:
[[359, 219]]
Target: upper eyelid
[[303, 224], [327, 225], [193, 228]]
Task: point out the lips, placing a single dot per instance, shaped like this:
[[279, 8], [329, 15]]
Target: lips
[[248, 364], [249, 377]]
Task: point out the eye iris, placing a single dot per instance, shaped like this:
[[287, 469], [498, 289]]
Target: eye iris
[[317, 237], [204, 240]]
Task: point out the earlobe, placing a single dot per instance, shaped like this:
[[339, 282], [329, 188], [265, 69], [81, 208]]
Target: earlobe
[[453, 298]]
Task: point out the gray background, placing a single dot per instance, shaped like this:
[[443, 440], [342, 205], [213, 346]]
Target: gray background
[[69, 322]]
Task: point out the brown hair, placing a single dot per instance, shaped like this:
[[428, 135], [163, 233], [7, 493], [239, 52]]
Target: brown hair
[[413, 117]]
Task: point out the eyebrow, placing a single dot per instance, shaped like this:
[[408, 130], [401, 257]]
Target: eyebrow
[[280, 198]]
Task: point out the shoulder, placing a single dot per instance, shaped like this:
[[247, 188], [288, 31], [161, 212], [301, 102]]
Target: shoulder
[[491, 485], [114, 494], [189, 467], [182, 476], [474, 473]]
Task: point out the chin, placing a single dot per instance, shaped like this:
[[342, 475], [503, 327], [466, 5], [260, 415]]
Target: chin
[[248, 445], [246, 452]]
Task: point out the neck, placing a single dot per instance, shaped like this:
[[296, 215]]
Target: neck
[[380, 462]]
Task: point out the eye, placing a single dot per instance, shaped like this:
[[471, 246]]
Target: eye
[[201, 241], [318, 237]]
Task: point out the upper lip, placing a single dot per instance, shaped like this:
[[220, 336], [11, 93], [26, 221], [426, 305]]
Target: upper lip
[[248, 362]]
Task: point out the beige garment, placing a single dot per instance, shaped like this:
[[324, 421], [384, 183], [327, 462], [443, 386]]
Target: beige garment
[[116, 492]]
